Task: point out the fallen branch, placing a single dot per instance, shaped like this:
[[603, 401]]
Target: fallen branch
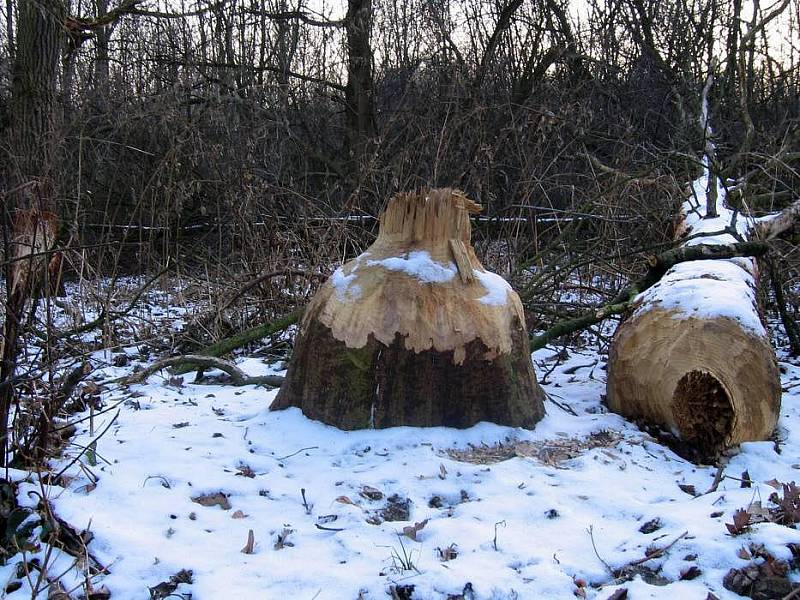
[[771, 227], [240, 339], [191, 362], [659, 265]]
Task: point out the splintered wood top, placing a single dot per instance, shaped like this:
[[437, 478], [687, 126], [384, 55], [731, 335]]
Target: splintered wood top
[[430, 215]]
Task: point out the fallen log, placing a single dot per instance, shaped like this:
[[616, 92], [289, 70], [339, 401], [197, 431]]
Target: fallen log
[[415, 331], [694, 357]]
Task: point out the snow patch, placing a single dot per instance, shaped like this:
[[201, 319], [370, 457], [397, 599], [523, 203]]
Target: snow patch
[[420, 265], [344, 286], [496, 286]]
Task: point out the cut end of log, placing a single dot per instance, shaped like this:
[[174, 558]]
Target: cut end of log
[[703, 412], [710, 382]]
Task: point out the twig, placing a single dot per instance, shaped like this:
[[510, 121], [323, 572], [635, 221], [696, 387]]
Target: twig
[[323, 528], [793, 594], [307, 506], [261, 279], [718, 477], [658, 552], [563, 406], [298, 452], [494, 541], [597, 554]]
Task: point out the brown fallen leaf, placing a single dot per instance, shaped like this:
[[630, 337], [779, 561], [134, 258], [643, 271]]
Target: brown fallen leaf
[[249, 547], [411, 531], [215, 499], [741, 522], [238, 515]]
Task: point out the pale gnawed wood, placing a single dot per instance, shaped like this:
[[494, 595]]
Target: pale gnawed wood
[[708, 380], [33, 237], [415, 331], [459, 250]]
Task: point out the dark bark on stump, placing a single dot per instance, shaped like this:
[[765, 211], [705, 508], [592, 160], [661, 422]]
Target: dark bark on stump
[[379, 386]]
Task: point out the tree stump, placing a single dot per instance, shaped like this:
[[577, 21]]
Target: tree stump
[[415, 331]]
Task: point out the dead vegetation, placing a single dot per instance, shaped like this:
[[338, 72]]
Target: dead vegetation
[[552, 453]]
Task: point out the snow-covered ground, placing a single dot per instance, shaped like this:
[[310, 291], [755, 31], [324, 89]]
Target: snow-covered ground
[[513, 513]]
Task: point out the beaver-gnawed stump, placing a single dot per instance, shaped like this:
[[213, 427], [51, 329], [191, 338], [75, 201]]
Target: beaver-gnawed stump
[[415, 331]]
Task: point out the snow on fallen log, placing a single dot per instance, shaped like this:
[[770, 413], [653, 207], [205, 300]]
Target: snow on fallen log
[[695, 357], [415, 331]]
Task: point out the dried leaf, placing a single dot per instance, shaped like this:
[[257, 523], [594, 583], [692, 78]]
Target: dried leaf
[[245, 471], [411, 531], [442, 471], [345, 500], [741, 521], [101, 593], [249, 547], [690, 573], [238, 515], [743, 554], [758, 514], [774, 483], [215, 499]]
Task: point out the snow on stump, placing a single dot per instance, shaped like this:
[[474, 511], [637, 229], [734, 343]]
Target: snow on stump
[[694, 357], [415, 331]]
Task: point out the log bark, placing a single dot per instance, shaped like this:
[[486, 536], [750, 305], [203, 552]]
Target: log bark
[[415, 331]]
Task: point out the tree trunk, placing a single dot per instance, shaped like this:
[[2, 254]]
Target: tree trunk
[[10, 29], [102, 37], [415, 331], [359, 92], [32, 230], [35, 74]]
